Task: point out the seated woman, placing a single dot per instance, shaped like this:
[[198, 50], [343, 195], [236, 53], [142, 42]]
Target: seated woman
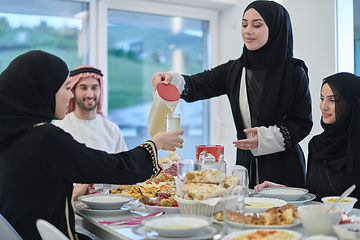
[[334, 155], [39, 162]]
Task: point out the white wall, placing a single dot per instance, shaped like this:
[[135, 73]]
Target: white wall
[[313, 25]]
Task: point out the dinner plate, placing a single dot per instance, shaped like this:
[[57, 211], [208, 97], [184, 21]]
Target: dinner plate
[[276, 202], [297, 235], [205, 233], [253, 226], [82, 207], [303, 199], [105, 201], [284, 193], [156, 209]]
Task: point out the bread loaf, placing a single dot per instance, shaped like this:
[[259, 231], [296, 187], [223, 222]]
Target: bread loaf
[[205, 176], [202, 191], [230, 182]]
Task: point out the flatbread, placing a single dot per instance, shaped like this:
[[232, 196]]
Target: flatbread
[[205, 176], [202, 191]]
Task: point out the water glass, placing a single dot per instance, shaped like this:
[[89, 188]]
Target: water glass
[[172, 122], [183, 167], [105, 188], [243, 178], [234, 203]]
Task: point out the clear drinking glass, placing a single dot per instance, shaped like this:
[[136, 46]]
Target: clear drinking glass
[[172, 122], [183, 167], [234, 204], [243, 179]]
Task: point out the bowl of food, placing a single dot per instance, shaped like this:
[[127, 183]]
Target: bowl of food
[[177, 225], [260, 205], [284, 193], [316, 221], [105, 201], [348, 231], [345, 204]]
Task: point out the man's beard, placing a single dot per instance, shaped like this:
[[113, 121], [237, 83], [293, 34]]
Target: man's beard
[[82, 105]]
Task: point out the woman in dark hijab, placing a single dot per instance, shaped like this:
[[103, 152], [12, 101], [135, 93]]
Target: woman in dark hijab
[[39, 162], [268, 92], [334, 155]]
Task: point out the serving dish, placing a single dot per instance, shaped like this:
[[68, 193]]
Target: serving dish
[[177, 225], [348, 231], [251, 202], [346, 204], [284, 193], [316, 221], [253, 226], [105, 201], [296, 235]]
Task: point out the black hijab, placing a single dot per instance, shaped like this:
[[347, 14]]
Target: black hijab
[[27, 92], [339, 144], [274, 61]]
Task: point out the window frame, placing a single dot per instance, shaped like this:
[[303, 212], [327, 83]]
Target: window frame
[[151, 7]]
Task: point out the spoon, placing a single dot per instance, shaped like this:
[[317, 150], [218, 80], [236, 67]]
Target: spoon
[[344, 195]]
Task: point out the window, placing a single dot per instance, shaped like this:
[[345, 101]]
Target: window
[[58, 27], [357, 37], [140, 44]]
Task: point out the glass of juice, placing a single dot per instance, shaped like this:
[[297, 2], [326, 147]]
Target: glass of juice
[[172, 122]]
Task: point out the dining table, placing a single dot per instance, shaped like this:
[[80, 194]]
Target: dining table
[[92, 221]]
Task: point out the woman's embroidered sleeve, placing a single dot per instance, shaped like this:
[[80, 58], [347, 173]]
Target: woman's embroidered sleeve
[[286, 134], [151, 148]]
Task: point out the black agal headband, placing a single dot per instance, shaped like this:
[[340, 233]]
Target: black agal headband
[[83, 70]]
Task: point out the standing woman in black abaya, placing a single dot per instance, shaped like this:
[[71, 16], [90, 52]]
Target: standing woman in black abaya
[[268, 92]]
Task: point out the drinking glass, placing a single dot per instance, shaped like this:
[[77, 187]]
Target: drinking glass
[[172, 122], [105, 188], [183, 167], [234, 203], [243, 180]]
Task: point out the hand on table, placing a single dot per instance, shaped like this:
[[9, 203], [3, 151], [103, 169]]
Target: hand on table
[[249, 143], [267, 184]]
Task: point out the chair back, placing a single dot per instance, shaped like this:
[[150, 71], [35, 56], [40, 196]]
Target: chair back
[[7, 231], [48, 231]]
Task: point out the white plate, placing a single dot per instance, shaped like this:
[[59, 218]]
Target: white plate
[[249, 209], [205, 233], [82, 207], [105, 201], [284, 193], [177, 225], [156, 209], [305, 198], [244, 232], [252, 226]]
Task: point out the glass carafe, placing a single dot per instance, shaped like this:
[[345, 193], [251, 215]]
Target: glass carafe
[[210, 157]]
